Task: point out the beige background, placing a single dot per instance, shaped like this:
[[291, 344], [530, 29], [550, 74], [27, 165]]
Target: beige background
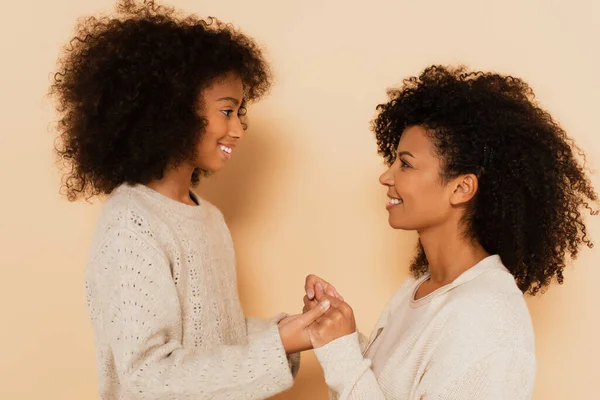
[[301, 194]]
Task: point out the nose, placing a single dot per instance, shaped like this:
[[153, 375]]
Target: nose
[[387, 178], [236, 129]]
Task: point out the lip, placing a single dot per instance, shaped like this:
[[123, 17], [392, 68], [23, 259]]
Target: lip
[[389, 206], [226, 154]]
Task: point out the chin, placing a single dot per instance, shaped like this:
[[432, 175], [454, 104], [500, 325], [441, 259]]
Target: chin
[[212, 168], [402, 225]]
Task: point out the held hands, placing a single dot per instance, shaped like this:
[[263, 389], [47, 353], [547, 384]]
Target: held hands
[[313, 284], [338, 321], [292, 329], [325, 317]]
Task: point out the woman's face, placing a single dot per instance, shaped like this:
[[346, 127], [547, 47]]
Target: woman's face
[[418, 197]]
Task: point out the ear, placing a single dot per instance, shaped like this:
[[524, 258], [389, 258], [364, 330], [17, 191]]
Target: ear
[[465, 187]]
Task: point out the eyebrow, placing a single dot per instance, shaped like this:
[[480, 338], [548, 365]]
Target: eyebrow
[[231, 99], [406, 153]]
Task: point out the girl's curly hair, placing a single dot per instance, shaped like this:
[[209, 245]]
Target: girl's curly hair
[[128, 88], [532, 188]]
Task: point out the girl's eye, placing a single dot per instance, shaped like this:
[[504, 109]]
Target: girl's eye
[[227, 112]]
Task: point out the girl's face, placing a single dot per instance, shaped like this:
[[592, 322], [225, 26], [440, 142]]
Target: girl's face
[[418, 197], [220, 106]]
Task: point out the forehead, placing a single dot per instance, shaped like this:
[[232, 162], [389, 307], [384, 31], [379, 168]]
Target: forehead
[[228, 85], [415, 140]]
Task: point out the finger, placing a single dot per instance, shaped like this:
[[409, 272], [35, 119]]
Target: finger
[[322, 318], [313, 331], [310, 316], [331, 314], [337, 303], [319, 291], [309, 285], [288, 319], [333, 293], [328, 318], [306, 300], [307, 304], [339, 296], [333, 301]]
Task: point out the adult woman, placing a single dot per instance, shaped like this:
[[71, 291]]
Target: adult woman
[[493, 187]]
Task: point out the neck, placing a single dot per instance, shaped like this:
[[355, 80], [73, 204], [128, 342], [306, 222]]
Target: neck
[[449, 252], [175, 184]]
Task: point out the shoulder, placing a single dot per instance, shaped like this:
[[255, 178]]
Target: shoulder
[[489, 311], [128, 215], [210, 208], [130, 209]]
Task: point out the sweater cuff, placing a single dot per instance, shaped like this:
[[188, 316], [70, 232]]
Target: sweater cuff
[[342, 361], [293, 359], [277, 363]]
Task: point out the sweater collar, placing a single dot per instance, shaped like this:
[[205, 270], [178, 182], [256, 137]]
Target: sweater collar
[[489, 263]]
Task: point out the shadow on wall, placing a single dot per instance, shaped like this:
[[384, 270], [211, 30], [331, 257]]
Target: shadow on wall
[[238, 191]]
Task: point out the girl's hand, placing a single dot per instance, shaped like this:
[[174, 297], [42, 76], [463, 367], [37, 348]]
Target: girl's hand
[[293, 331]]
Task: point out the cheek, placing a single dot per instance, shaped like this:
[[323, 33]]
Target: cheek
[[418, 187], [205, 147], [208, 155], [423, 202], [215, 129], [209, 139], [408, 185]]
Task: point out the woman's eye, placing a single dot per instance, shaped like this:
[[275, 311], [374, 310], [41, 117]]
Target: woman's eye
[[403, 164]]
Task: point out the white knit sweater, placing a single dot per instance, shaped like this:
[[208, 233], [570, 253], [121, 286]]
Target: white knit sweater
[[474, 341], [162, 296]]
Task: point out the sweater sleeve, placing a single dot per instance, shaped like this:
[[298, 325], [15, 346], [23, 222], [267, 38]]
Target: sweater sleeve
[[254, 325], [505, 374], [502, 375], [347, 373], [142, 319]]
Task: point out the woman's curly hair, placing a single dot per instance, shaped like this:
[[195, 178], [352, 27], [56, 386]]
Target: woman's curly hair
[[128, 87], [532, 187]]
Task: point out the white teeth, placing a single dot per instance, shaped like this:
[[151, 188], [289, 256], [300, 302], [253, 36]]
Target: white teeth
[[395, 201], [225, 149]]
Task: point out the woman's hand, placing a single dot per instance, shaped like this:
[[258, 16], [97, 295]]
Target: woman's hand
[[338, 321], [293, 329], [313, 284]]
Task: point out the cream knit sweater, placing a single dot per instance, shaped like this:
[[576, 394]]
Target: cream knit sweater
[[162, 296], [473, 342]]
